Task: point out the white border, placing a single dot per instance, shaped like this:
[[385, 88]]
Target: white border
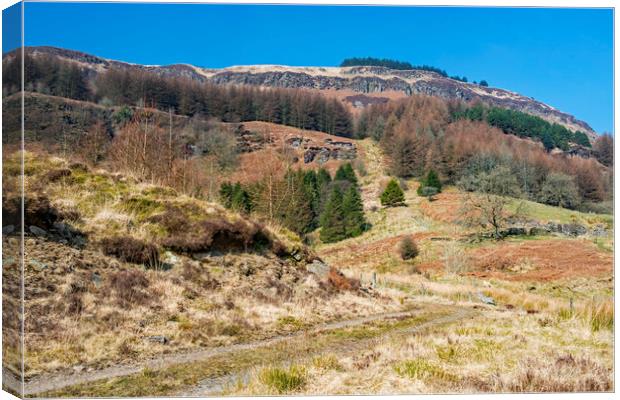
[[475, 3]]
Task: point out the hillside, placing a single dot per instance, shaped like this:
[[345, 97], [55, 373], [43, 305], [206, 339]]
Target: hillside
[[359, 79], [122, 271]]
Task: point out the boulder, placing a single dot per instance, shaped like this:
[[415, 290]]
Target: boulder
[[35, 230], [7, 230], [319, 268]]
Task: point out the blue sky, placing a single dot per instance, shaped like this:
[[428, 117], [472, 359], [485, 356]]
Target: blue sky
[[563, 57]]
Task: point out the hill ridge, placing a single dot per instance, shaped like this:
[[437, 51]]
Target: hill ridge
[[362, 79]]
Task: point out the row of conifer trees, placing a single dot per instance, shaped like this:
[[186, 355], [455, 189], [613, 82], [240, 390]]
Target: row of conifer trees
[[303, 201]]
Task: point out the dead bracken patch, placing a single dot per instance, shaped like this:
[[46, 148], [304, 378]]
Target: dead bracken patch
[[546, 259], [341, 282]]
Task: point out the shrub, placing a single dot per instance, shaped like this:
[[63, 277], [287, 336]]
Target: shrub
[[408, 249], [57, 174], [393, 195], [129, 287], [559, 190], [283, 380], [430, 180], [128, 249], [215, 234]]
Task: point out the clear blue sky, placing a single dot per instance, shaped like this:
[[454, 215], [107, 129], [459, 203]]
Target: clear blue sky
[[563, 57]]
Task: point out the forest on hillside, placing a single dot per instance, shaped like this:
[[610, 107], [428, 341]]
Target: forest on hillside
[[131, 87], [422, 133]]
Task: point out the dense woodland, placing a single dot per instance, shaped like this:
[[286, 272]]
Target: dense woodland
[[133, 87], [423, 133]]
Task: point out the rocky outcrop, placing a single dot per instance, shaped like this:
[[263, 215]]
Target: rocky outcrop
[[571, 229]]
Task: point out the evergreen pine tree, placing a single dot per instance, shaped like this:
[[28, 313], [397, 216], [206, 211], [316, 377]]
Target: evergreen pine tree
[[431, 180], [311, 187], [323, 178], [226, 192], [240, 200], [332, 220], [297, 214], [345, 173], [353, 210], [392, 195]]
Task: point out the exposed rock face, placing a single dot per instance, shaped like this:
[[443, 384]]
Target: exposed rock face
[[573, 229], [248, 141], [362, 79]]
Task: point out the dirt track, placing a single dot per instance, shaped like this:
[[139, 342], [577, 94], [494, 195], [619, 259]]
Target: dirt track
[[44, 383]]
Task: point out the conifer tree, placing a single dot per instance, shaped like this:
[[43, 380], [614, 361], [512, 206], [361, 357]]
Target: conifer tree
[[345, 173], [311, 187], [332, 220], [353, 210], [240, 199], [323, 178], [226, 192], [431, 180], [297, 213], [393, 195]]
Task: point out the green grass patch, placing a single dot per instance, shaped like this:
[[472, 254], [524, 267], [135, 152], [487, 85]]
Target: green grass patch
[[545, 213], [284, 380], [143, 207], [290, 322]]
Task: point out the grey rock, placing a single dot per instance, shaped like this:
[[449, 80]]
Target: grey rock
[[7, 230], [599, 231], [37, 265], [486, 299], [35, 230], [161, 339], [318, 268], [539, 231]]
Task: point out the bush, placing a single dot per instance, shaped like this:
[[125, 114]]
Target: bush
[[393, 195], [186, 236], [129, 287], [128, 249], [408, 249], [57, 174], [559, 190], [282, 380]]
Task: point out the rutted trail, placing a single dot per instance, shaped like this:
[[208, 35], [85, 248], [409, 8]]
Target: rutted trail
[[50, 382], [215, 386]]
